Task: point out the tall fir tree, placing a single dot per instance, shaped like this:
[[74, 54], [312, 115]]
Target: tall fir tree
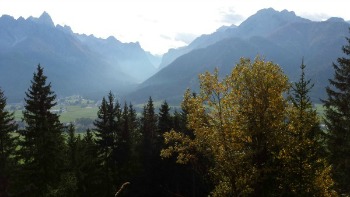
[[165, 120], [90, 180], [133, 122], [7, 146], [337, 120], [149, 153], [105, 131], [305, 170], [42, 147], [72, 147], [149, 121], [125, 137], [72, 175], [117, 135]]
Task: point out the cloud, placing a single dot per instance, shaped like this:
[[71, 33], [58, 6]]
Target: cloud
[[231, 17], [165, 37], [185, 37], [315, 16]]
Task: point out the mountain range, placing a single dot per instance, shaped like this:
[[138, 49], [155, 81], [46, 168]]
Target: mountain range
[[74, 63], [281, 37], [91, 66]]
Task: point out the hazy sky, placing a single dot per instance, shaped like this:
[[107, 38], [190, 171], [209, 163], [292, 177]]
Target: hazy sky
[[162, 24]]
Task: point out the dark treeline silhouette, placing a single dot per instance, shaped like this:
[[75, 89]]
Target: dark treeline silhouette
[[239, 137], [48, 159]]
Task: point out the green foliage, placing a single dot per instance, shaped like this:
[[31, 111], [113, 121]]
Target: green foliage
[[42, 147], [337, 120], [89, 179], [239, 136], [7, 145], [165, 121], [106, 137], [303, 153]]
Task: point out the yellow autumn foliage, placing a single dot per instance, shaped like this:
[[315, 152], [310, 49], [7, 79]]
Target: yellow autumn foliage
[[239, 123]]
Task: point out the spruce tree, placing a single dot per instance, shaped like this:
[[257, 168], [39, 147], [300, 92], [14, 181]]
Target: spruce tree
[[337, 120], [149, 120], [72, 151], [165, 123], [305, 171], [133, 122], [90, 180], [105, 131], [104, 135], [7, 146], [118, 137], [42, 147], [149, 153], [125, 137]]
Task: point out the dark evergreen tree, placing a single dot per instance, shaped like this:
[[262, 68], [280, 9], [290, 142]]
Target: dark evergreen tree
[[118, 132], [133, 124], [125, 137], [165, 123], [69, 183], [300, 91], [337, 119], [133, 169], [149, 122], [72, 151], [7, 146], [106, 131], [42, 147], [149, 154], [89, 180], [104, 126]]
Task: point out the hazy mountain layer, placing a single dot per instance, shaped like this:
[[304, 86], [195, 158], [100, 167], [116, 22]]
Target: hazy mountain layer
[[281, 37], [75, 64], [90, 66]]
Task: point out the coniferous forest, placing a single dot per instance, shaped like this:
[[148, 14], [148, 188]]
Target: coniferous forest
[[252, 133]]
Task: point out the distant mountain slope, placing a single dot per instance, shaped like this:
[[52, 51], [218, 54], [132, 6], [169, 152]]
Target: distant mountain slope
[[281, 37], [72, 65], [259, 24], [130, 57]]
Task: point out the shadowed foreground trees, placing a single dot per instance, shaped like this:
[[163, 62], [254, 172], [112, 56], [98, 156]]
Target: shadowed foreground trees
[[8, 144], [242, 126], [42, 145], [239, 136], [338, 121]]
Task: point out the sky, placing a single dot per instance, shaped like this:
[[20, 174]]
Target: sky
[[159, 25]]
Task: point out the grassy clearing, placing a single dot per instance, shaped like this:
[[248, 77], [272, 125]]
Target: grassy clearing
[[74, 112], [70, 114]]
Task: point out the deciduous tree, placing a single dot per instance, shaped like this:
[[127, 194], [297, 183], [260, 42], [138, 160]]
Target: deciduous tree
[[237, 124]]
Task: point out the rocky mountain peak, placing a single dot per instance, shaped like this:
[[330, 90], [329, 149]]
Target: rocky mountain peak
[[45, 18]]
